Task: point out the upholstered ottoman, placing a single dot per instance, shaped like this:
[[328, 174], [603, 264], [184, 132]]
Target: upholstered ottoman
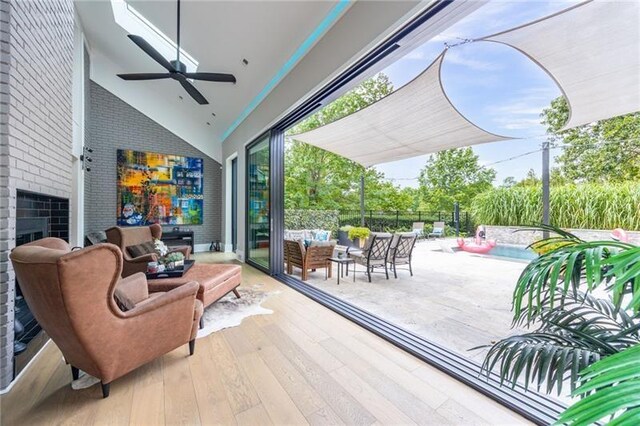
[[215, 280]]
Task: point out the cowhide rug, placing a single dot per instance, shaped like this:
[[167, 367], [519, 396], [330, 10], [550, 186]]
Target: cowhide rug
[[226, 312], [230, 311]]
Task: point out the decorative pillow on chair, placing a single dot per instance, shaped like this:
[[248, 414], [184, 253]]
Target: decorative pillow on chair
[[142, 249], [122, 300], [321, 235]]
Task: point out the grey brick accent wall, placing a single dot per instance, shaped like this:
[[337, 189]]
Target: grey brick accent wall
[[113, 124], [36, 67]]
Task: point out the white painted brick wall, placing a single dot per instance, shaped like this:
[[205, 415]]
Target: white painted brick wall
[[36, 54]]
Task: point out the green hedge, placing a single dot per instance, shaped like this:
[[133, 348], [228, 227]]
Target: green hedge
[[312, 219], [583, 206]]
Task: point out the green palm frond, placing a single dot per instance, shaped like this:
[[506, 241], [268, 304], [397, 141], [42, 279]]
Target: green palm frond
[[576, 265], [625, 268], [572, 335], [539, 358], [610, 390]]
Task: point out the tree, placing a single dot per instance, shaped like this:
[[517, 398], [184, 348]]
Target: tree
[[319, 179], [508, 182], [453, 175], [608, 150]]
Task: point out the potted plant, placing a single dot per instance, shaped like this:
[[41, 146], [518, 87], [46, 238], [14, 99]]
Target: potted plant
[[590, 342], [343, 235], [173, 260], [358, 235]]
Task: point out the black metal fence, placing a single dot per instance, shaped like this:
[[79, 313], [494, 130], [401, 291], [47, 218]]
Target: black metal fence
[[382, 221]]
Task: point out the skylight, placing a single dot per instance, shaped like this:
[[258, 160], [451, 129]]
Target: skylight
[[134, 23]]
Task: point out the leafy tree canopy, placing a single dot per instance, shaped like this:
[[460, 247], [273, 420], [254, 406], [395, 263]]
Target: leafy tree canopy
[[608, 150], [319, 179], [453, 175]]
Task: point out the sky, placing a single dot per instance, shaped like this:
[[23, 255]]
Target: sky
[[493, 85]]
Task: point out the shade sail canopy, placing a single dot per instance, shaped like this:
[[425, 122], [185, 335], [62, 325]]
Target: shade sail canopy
[[592, 51], [414, 120]]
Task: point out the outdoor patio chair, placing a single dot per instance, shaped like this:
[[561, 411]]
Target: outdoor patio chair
[[374, 254], [401, 251], [438, 230], [418, 229], [314, 257]]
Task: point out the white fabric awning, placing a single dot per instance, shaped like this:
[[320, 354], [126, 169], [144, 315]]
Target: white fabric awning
[[592, 51], [414, 120]]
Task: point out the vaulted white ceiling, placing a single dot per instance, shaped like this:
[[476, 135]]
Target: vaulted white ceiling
[[219, 35]]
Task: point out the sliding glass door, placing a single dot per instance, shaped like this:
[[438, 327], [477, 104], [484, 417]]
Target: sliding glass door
[[258, 199]]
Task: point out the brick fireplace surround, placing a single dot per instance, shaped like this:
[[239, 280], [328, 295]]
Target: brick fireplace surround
[[36, 129]]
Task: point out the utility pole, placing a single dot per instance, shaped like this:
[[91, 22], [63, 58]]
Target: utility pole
[[545, 186]]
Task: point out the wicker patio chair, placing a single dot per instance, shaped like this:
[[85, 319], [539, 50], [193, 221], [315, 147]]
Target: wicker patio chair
[[311, 258]]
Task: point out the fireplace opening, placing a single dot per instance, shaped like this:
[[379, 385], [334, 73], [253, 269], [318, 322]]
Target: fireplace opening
[[37, 216]]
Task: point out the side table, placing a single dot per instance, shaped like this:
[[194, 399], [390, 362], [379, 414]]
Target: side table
[[342, 262]]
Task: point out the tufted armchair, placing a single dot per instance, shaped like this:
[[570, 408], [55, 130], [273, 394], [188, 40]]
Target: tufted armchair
[[71, 294]]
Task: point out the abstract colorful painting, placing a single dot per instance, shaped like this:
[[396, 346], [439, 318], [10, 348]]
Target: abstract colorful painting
[[159, 188]]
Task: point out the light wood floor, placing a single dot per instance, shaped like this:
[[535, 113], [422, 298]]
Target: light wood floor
[[301, 365]]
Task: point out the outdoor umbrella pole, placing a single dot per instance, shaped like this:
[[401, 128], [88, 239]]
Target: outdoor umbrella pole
[[545, 186], [362, 199]]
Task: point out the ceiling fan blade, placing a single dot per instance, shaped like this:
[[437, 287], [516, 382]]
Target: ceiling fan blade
[[149, 50], [211, 76], [191, 90], [145, 76]]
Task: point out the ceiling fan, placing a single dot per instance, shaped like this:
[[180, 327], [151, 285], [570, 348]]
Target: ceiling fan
[[177, 70]]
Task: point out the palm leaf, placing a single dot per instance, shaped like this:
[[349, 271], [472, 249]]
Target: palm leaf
[[538, 358], [568, 268], [571, 336], [609, 388]]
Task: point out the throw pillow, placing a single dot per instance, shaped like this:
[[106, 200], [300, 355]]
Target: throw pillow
[[141, 249], [122, 300], [322, 235]]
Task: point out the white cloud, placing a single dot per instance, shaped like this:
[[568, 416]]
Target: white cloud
[[415, 55], [458, 58]]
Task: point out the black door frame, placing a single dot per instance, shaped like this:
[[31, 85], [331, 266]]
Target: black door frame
[[247, 232], [276, 201], [234, 204]]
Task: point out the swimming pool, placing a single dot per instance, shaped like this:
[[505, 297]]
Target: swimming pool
[[511, 251]]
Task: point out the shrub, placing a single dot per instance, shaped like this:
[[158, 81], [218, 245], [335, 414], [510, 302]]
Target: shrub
[[582, 206], [359, 232], [312, 219]]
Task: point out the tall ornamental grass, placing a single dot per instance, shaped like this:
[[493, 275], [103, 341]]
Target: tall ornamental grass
[[583, 206]]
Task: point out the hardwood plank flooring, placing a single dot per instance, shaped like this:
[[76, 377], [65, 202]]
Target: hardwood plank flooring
[[301, 365]]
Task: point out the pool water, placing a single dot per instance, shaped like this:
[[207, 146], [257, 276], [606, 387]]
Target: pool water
[[513, 252]]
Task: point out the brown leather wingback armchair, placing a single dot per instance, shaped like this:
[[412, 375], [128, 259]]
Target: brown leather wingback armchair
[[71, 295], [131, 236]]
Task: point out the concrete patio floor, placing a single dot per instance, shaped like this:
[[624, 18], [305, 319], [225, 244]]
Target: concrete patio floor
[[458, 300]]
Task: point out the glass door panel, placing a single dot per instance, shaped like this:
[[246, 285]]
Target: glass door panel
[[258, 224]]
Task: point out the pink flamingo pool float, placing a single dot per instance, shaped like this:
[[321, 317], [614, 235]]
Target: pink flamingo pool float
[[479, 244]]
